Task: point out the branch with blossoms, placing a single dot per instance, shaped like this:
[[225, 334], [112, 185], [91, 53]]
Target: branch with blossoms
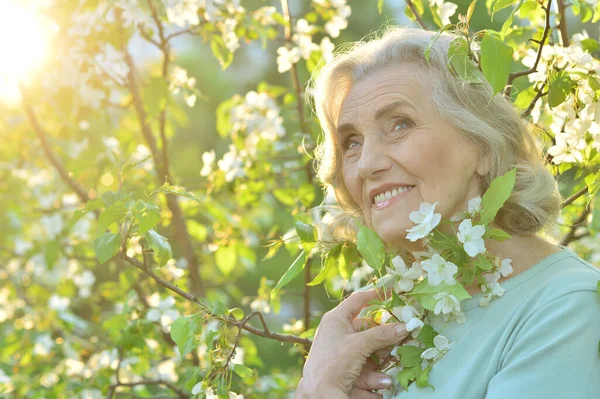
[[265, 332], [542, 41]]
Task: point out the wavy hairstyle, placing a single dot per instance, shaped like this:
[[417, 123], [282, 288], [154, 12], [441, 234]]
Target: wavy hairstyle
[[488, 121]]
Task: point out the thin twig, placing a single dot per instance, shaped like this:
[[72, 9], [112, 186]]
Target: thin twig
[[412, 7], [562, 23], [579, 222], [192, 298], [573, 197], [542, 41], [43, 137]]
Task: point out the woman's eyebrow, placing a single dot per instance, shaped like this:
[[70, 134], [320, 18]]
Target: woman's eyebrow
[[348, 127], [392, 106]]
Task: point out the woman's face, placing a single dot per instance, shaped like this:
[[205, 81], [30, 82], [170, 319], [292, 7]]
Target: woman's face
[[390, 136]]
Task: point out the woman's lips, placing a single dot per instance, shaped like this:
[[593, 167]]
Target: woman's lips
[[391, 201]]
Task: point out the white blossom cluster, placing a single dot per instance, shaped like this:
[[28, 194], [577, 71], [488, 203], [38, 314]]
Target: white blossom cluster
[[256, 118], [302, 45], [180, 80], [225, 14], [571, 123]]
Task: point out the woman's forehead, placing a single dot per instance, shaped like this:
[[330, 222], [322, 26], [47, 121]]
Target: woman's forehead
[[391, 87]]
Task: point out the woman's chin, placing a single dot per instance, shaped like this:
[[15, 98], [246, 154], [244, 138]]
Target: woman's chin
[[396, 238]]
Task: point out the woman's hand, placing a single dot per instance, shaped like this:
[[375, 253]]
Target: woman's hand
[[338, 356]]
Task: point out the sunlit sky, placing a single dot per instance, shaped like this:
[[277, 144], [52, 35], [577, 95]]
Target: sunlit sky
[[24, 45]]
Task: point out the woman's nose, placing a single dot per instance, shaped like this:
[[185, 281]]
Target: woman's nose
[[373, 159]]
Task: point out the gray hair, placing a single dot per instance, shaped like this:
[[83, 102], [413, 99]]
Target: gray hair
[[488, 121]]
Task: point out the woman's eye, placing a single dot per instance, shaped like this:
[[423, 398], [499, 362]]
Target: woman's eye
[[400, 124], [351, 144]]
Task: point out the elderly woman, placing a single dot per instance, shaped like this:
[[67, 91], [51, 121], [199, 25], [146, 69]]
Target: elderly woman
[[396, 123]]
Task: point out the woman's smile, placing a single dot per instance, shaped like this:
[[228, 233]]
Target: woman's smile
[[391, 197]]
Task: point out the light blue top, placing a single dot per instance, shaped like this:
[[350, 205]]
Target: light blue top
[[539, 341]]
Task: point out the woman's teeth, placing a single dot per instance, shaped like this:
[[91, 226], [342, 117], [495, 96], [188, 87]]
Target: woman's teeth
[[391, 193]]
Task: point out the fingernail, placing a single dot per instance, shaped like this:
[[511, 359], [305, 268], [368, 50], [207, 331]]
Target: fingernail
[[400, 329], [386, 381]]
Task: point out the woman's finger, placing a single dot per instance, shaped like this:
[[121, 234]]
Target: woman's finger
[[371, 380], [362, 324], [380, 337], [351, 306], [360, 394]]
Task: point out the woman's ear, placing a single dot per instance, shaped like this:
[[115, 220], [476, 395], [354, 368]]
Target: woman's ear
[[483, 166]]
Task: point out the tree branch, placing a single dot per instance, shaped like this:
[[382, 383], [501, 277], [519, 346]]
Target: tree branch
[[192, 298], [178, 219], [573, 197], [43, 137], [515, 75], [562, 23], [579, 222], [412, 7]]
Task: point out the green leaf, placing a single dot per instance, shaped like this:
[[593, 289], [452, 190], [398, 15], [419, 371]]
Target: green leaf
[[396, 300], [273, 249], [226, 259], [560, 87], [219, 309], [410, 355], [426, 335], [470, 10], [594, 226], [148, 216], [424, 293], [330, 263], [289, 275], [380, 6], [106, 246], [306, 232], [221, 52], [525, 97], [370, 247], [434, 39], [422, 380], [527, 7], [183, 333], [482, 263], [576, 6], [508, 23], [110, 215], [496, 59], [408, 375], [501, 4], [496, 195], [462, 64], [178, 191], [160, 245], [242, 371], [598, 287], [496, 234], [442, 241], [237, 313]]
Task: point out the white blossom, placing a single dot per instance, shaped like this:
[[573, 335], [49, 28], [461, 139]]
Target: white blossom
[[471, 237], [162, 310], [406, 277], [183, 12], [504, 266], [474, 205], [441, 346], [566, 150], [232, 164], [260, 305], [496, 291], [59, 303], [438, 270], [43, 344], [286, 58], [447, 303], [426, 220], [208, 160]]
